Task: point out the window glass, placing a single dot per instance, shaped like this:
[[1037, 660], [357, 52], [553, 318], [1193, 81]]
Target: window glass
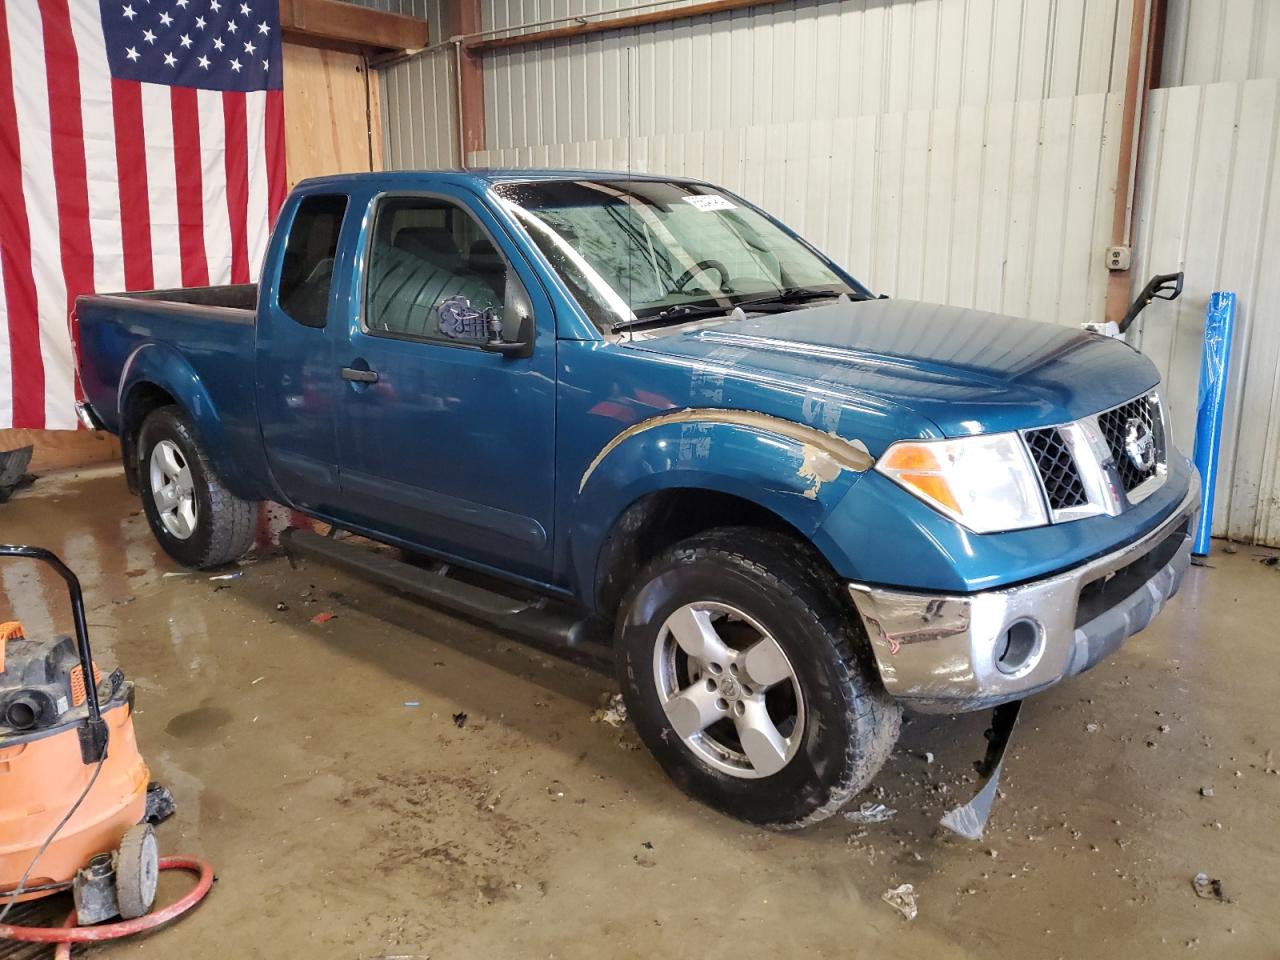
[[629, 249], [307, 272], [434, 274]]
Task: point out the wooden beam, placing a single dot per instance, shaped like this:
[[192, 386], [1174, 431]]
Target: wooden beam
[[328, 23], [1137, 85], [617, 23], [470, 82]]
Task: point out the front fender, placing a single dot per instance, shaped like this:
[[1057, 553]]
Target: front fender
[[792, 470], [160, 365]]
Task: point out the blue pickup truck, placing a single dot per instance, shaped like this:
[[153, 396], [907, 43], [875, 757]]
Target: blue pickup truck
[[793, 508]]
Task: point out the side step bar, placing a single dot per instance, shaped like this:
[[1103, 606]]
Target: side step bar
[[542, 621]]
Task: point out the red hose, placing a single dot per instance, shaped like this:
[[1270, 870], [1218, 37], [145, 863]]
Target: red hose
[[68, 933]]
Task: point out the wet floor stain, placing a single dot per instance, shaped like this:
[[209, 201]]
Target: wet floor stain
[[199, 726]]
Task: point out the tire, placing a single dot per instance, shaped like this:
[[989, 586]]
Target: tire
[[218, 527], [137, 872], [768, 593]]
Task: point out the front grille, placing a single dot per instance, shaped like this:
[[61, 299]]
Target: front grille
[[1058, 471], [1114, 424]]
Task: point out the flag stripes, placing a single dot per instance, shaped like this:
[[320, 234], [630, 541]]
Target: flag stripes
[[117, 177]]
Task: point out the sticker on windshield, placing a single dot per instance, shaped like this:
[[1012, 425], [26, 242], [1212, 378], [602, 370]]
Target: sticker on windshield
[[709, 201]]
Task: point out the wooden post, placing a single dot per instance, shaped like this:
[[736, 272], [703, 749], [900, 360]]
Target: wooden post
[[467, 20]]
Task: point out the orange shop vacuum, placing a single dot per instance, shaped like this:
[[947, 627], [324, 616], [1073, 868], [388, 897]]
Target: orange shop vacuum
[[76, 801]]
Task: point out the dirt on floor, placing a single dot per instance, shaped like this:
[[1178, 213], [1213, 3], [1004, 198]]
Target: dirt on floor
[[392, 782]]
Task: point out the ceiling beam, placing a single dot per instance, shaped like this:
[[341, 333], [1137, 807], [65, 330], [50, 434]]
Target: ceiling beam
[[345, 26], [616, 23]]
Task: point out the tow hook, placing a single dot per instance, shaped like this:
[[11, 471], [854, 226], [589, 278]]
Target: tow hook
[[970, 819]]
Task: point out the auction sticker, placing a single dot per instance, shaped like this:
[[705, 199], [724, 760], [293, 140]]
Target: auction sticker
[[709, 201]]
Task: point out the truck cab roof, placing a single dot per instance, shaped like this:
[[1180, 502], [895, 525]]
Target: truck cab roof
[[478, 178]]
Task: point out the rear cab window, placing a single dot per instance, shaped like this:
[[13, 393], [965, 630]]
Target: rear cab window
[[306, 275]]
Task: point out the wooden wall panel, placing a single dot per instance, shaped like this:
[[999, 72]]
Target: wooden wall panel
[[59, 449], [326, 113]]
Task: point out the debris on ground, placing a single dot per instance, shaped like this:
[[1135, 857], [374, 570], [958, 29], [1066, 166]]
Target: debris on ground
[[1269, 561], [324, 617], [1206, 791], [179, 573], [614, 713], [282, 606], [1229, 548], [413, 703], [1208, 888], [124, 601], [902, 899], [13, 471], [229, 576], [871, 813], [459, 719]]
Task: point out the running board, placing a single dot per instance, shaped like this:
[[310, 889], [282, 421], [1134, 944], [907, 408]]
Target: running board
[[543, 621]]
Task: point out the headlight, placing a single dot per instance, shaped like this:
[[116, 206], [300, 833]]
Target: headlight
[[987, 483]]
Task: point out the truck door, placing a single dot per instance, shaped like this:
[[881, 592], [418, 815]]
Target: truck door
[[297, 393], [440, 442]]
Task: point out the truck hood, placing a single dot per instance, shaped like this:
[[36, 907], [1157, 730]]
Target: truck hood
[[967, 371]]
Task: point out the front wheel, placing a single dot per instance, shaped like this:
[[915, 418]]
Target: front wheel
[[196, 519], [737, 664]]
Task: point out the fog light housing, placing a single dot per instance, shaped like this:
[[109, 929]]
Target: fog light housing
[[1018, 648]]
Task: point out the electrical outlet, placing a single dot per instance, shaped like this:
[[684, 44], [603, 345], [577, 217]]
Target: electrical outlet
[[1118, 258]]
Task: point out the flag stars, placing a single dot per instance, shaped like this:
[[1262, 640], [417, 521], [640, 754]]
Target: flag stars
[[263, 28], [170, 60], [200, 23], [132, 54], [183, 3], [231, 25], [129, 12], [264, 65], [165, 18], [204, 62], [148, 36], [235, 65], [249, 48], [218, 44], [244, 9], [215, 6], [185, 40]]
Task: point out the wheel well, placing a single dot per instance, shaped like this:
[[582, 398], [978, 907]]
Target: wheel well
[[141, 401], [656, 521]]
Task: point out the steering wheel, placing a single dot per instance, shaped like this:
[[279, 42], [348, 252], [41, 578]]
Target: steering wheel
[[683, 280]]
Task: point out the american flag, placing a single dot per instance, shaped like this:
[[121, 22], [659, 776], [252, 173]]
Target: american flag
[[141, 146]]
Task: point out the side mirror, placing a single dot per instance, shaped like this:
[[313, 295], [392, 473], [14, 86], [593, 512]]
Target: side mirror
[[517, 349]]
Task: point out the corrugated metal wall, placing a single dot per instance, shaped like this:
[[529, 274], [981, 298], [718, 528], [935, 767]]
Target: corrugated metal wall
[[1212, 40], [959, 151], [795, 62], [1210, 205], [419, 103]]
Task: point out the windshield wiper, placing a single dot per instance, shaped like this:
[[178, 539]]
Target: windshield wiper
[[788, 297], [681, 311]]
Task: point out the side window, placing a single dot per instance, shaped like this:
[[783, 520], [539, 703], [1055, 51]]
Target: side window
[[435, 275], [307, 272]]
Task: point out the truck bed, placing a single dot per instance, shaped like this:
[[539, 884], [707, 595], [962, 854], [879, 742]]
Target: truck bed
[[200, 336]]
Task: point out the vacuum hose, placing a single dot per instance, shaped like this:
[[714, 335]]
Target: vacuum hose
[[68, 933]]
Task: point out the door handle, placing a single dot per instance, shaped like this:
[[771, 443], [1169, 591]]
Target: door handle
[[359, 376]]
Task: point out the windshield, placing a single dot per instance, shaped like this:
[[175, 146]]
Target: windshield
[[636, 251]]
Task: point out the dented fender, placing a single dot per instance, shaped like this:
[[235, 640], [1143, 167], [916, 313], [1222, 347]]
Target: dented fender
[[795, 471]]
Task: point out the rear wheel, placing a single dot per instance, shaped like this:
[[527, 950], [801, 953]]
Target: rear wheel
[[738, 666], [196, 519]]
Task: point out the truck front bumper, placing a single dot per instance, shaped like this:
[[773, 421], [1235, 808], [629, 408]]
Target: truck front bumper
[[941, 653]]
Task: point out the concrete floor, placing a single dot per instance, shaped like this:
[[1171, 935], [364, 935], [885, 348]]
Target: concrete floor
[[319, 767]]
